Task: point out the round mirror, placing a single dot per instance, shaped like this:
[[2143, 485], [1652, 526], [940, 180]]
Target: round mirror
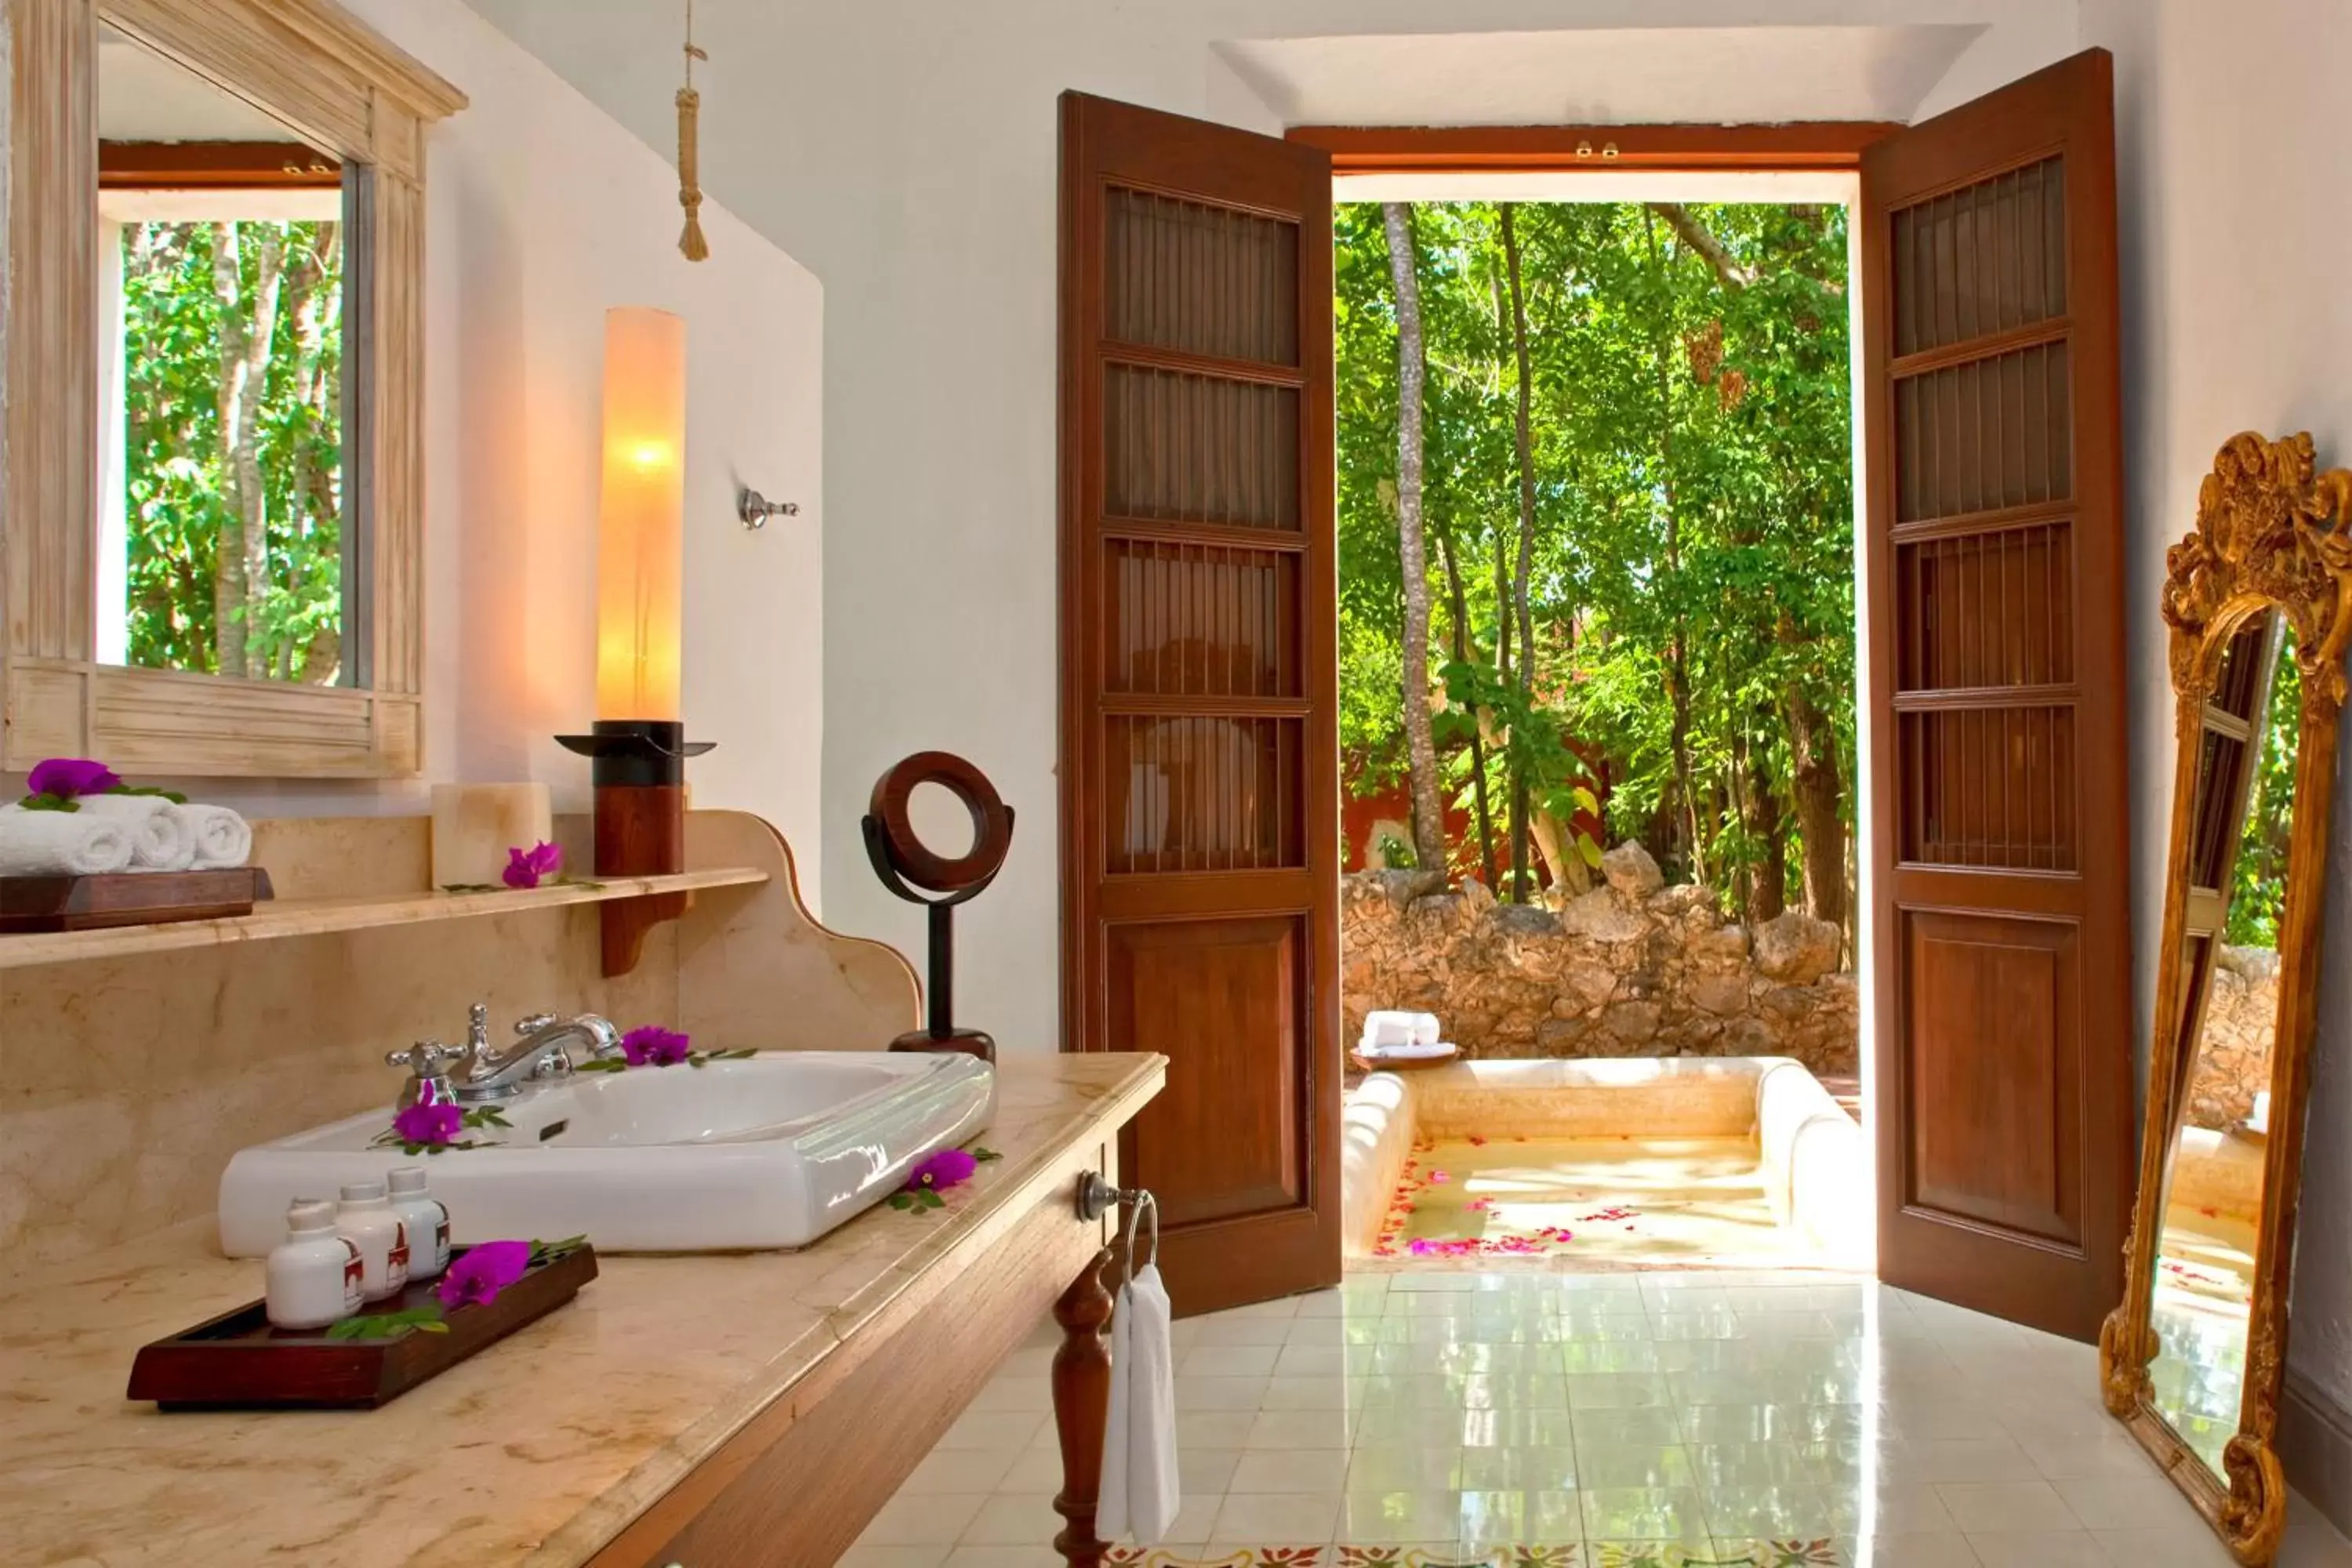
[[934, 854], [941, 820]]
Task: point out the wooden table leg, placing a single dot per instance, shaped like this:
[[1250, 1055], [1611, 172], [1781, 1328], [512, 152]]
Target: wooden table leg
[[1082, 1409]]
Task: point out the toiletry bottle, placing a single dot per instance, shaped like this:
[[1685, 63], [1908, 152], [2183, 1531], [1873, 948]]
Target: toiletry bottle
[[314, 1274], [428, 1219], [365, 1219]]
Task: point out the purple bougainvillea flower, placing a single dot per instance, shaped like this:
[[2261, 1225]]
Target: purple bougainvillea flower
[[526, 868], [71, 776], [947, 1168], [476, 1279], [429, 1123], [654, 1046]]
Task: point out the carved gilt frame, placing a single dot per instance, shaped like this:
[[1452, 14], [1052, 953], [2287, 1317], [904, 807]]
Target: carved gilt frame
[[351, 93], [2271, 533]]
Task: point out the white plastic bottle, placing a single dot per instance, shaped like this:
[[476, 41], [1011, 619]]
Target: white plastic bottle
[[365, 1219], [314, 1274], [428, 1219]]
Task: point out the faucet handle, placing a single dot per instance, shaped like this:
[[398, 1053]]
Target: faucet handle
[[533, 1023], [424, 1057]]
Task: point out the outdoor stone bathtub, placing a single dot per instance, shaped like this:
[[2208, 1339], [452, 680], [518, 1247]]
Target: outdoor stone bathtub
[[1809, 1152]]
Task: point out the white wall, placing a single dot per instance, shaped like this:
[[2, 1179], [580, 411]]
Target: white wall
[[906, 151], [2237, 317], [542, 212]]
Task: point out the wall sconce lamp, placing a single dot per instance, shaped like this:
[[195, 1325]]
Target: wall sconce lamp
[[638, 745]]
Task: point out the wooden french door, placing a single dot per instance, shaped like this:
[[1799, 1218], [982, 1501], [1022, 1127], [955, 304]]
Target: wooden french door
[[1997, 686], [1199, 702]]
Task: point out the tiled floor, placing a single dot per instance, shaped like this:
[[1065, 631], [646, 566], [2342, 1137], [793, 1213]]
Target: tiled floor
[[1548, 1420]]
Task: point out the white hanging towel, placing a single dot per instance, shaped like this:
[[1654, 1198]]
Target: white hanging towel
[[224, 840], [1385, 1027], [160, 839], [62, 843], [1139, 1494]]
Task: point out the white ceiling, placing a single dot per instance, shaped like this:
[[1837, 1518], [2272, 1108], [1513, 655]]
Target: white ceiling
[[1602, 75], [142, 97]]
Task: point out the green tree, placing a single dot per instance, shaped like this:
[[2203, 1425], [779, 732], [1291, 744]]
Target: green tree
[[1635, 454], [233, 427]]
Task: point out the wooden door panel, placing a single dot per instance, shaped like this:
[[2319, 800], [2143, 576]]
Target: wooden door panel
[[2001, 829], [1198, 701], [1221, 1000], [1992, 1015]]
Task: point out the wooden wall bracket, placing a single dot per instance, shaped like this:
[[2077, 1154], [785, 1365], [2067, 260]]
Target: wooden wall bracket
[[640, 831]]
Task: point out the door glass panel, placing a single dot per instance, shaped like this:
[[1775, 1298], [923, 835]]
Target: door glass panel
[[1198, 448], [1989, 786], [1200, 620], [1202, 278], [1988, 258], [1987, 609], [1984, 435], [1202, 794]]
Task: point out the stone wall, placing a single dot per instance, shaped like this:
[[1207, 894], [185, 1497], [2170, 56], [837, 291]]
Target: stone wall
[[1631, 969], [2233, 1056]]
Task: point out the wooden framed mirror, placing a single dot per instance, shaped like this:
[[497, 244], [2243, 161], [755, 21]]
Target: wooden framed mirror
[[2258, 600], [213, 552]]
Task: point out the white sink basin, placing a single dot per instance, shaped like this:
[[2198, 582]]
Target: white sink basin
[[764, 1151]]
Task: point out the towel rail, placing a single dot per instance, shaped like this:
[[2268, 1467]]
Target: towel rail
[[1095, 1197]]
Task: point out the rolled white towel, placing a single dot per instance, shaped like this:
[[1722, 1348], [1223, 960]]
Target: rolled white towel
[[160, 841], [1384, 1028], [62, 843], [222, 839]]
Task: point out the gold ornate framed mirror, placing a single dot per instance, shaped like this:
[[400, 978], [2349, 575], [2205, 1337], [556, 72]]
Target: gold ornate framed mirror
[[2258, 600]]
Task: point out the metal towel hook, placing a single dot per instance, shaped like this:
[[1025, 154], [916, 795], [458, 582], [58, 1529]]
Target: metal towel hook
[[1095, 1197], [1144, 1203]]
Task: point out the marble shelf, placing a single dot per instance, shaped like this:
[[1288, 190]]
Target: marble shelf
[[313, 917]]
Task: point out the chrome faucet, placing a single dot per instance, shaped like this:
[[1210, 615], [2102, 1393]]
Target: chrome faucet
[[538, 1055]]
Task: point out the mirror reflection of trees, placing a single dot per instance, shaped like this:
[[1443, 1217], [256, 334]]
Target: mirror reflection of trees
[[2207, 1249], [233, 386], [1634, 512]]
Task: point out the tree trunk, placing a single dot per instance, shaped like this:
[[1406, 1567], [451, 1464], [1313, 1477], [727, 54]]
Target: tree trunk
[[246, 329], [1524, 574], [1819, 791], [1760, 812], [1677, 650], [1477, 722], [1421, 746]]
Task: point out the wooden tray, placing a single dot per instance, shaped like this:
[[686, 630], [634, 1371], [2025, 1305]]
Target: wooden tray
[[237, 1362], [1403, 1064], [129, 899]]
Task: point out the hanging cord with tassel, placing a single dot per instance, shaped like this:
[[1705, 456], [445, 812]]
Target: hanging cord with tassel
[[689, 162]]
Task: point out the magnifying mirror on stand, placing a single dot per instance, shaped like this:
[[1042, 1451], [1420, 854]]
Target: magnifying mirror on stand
[[906, 865]]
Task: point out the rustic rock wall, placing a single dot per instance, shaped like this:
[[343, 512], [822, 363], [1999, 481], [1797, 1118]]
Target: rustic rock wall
[[2233, 1056], [1631, 969]]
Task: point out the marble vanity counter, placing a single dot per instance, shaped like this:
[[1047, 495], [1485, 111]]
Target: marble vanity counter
[[537, 1451]]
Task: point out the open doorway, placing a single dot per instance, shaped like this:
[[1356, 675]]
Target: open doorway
[[1200, 713], [1596, 503]]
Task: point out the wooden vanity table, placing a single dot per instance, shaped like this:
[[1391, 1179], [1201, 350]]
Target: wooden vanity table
[[729, 1411]]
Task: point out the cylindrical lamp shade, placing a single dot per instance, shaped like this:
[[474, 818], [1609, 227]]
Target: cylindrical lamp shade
[[641, 517]]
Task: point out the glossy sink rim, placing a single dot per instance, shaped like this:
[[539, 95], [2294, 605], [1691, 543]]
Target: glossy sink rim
[[782, 1184]]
